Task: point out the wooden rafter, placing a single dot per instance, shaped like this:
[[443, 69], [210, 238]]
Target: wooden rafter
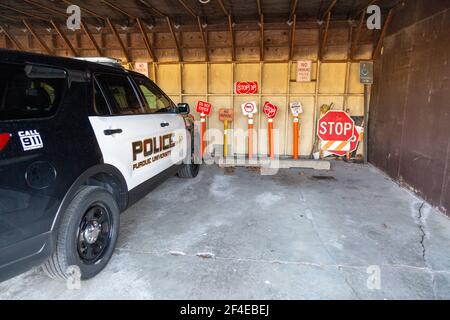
[[204, 40], [293, 10], [146, 40], [355, 41], [91, 38], [154, 10], [88, 11], [47, 8], [169, 23], [119, 40], [233, 46], [31, 15], [328, 10], [199, 25], [65, 39], [259, 7], [261, 37], [377, 50], [11, 38], [222, 6], [36, 36], [117, 8], [324, 42], [292, 43], [363, 9]]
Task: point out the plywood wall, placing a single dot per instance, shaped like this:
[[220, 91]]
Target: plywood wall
[[336, 82]]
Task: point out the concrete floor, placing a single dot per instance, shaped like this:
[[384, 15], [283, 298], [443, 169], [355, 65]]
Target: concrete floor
[[240, 235]]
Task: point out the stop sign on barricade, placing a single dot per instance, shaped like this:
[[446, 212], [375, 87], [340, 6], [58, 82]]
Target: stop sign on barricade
[[335, 126]]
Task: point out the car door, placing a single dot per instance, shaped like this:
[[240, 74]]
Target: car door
[[128, 136], [164, 113]]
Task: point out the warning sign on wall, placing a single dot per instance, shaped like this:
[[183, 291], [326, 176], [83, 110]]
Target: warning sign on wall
[[304, 70], [141, 67]]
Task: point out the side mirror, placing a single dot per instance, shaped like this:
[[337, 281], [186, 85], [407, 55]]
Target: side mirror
[[183, 108]]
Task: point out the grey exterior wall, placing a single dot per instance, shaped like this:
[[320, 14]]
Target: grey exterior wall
[[409, 132]]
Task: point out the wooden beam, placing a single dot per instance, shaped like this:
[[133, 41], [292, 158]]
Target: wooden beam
[[323, 45], [146, 40], [2, 16], [11, 38], [36, 36], [111, 5], [88, 11], [292, 43], [377, 50], [204, 40], [261, 37], [258, 5], [91, 38], [169, 22], [63, 36], [293, 10], [222, 6], [330, 7], [233, 46], [152, 8], [119, 40], [47, 8], [355, 41], [363, 9], [31, 15], [188, 9]]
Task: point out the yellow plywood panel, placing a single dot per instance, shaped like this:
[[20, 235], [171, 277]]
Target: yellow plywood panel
[[194, 78], [279, 125], [246, 72], [175, 98], [355, 105], [220, 78], [337, 100], [240, 126], [275, 78], [354, 85], [303, 87], [168, 76], [332, 77], [306, 128]]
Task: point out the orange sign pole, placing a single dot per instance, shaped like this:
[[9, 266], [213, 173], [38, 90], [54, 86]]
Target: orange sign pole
[[270, 134], [202, 133], [250, 136], [296, 127]]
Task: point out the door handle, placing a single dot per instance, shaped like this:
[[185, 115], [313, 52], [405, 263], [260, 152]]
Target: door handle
[[110, 132], [165, 124]]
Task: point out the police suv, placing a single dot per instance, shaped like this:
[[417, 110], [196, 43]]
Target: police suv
[[80, 142]]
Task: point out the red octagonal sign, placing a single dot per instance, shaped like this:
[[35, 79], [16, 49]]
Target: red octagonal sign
[[335, 126]]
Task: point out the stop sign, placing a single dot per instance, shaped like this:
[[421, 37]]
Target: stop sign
[[335, 126]]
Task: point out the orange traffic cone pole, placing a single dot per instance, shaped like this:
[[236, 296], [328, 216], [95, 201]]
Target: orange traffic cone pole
[[250, 136], [270, 133], [296, 125], [202, 133]]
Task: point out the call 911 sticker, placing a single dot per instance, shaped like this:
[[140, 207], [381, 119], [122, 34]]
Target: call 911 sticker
[[31, 140]]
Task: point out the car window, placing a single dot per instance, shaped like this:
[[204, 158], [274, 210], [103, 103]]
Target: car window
[[100, 104], [156, 100], [122, 96], [30, 91]]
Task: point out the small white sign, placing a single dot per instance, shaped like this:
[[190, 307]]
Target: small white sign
[[304, 70], [141, 67], [249, 108], [296, 108], [30, 139]]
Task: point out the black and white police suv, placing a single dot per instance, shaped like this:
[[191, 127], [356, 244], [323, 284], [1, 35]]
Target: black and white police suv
[[80, 142]]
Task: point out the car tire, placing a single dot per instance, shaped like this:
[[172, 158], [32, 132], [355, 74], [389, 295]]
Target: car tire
[[87, 235], [189, 171]]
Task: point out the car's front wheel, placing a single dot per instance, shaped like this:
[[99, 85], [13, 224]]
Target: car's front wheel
[[87, 235]]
